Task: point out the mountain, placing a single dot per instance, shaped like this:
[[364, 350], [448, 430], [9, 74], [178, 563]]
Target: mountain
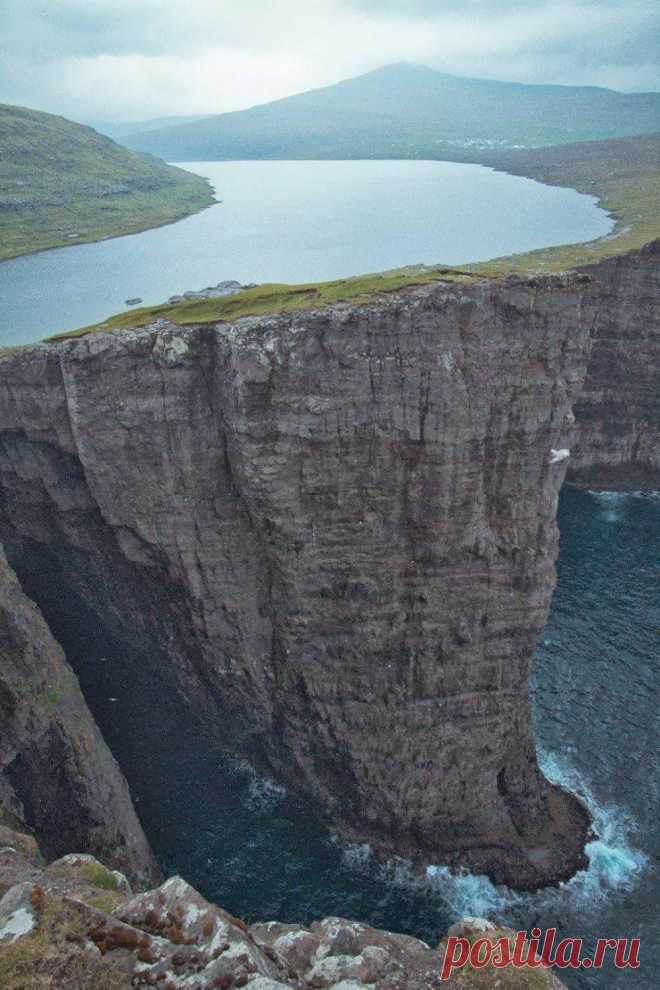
[[408, 111], [63, 183]]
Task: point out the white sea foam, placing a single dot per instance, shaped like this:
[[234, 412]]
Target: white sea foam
[[614, 862], [614, 865], [263, 793], [468, 894], [357, 856], [607, 496]]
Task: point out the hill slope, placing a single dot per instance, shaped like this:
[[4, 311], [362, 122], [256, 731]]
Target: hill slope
[[120, 129], [408, 111], [62, 183]]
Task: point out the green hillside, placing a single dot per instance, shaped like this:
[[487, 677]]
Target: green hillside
[[623, 174], [408, 111], [62, 183]]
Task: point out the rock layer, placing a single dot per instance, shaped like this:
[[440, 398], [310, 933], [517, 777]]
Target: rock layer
[[332, 536], [618, 413], [57, 775]]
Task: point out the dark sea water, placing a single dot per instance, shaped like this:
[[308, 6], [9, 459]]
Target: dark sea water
[[596, 698], [299, 221]]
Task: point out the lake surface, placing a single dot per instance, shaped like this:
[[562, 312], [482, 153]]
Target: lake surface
[[596, 684], [298, 221]]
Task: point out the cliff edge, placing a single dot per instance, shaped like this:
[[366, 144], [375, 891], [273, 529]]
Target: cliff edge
[[331, 536], [75, 925]]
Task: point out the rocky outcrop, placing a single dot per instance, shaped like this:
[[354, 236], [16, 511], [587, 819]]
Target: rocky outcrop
[[618, 413], [76, 925], [57, 775], [330, 536]]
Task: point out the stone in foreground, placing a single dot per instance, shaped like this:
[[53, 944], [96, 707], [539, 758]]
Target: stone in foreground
[[84, 937]]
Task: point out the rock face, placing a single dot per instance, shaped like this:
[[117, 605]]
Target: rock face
[[331, 535], [618, 414], [74, 925], [57, 775]]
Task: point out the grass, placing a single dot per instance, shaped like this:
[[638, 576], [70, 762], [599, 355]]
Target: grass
[[53, 696], [105, 902], [37, 960], [275, 298], [63, 184], [99, 876]]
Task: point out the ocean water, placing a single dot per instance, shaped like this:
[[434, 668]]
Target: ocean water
[[296, 221], [595, 693]]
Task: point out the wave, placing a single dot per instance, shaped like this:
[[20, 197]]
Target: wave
[[614, 866], [259, 793], [614, 496], [614, 862]]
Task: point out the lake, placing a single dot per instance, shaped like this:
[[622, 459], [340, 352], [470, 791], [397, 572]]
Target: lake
[[296, 221]]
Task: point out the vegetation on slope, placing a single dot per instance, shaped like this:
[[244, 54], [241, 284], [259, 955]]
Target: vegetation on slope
[[62, 183], [625, 177], [408, 111]]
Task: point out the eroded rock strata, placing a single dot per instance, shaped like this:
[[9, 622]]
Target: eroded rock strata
[[57, 776], [331, 536], [617, 442]]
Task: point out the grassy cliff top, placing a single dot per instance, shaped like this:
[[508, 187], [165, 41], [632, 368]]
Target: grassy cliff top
[[62, 183], [275, 298]]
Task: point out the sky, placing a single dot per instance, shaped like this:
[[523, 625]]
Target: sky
[[130, 60]]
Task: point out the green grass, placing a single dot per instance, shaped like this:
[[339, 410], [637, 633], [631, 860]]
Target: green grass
[[106, 902], [62, 184], [274, 298], [99, 876], [53, 697], [55, 951]]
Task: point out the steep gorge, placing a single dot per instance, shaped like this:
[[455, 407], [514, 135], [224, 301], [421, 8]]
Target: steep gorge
[[330, 536]]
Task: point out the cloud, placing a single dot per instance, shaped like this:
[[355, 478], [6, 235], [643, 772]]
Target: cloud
[[130, 59]]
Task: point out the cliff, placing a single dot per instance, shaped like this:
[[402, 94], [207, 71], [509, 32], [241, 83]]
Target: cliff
[[617, 443], [57, 776], [329, 537], [75, 925]]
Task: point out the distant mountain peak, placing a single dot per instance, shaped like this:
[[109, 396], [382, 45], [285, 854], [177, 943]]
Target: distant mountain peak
[[408, 110]]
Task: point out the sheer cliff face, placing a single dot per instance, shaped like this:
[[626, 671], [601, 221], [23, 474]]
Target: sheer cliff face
[[331, 536], [56, 773], [618, 414]]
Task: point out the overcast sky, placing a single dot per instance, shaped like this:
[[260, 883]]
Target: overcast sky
[[134, 59]]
